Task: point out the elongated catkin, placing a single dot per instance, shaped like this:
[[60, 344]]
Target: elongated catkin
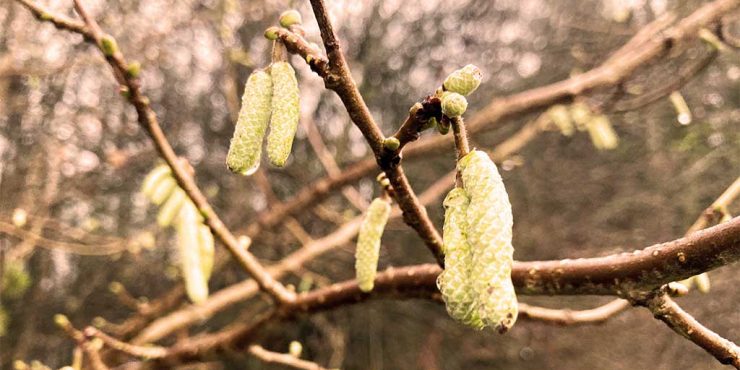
[[489, 233], [196, 283], [455, 282], [285, 113], [368, 243], [246, 144], [206, 249]]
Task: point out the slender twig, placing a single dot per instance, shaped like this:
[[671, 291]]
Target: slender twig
[[724, 200], [666, 310], [148, 352], [574, 317], [339, 79], [148, 120], [284, 359]]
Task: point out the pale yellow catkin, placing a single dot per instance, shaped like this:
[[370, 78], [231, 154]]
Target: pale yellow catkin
[[285, 113], [246, 144], [368, 243], [196, 283], [455, 281], [489, 233]]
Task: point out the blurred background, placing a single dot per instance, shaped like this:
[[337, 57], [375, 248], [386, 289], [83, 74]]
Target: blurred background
[[72, 158]]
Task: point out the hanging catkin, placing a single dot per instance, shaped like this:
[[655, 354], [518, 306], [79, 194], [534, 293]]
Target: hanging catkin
[[285, 113], [246, 144], [368, 243], [454, 282], [196, 283], [489, 234], [206, 249]]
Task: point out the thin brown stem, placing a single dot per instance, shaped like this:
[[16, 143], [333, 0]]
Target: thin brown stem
[[669, 312], [284, 359]]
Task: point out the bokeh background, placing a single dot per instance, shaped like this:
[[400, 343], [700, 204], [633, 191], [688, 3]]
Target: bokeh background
[[72, 157]]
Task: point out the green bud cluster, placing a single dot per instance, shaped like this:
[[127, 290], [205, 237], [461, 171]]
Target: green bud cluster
[[453, 104], [464, 81]]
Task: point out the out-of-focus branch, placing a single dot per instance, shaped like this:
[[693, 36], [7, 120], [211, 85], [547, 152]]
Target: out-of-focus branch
[[284, 359], [574, 317], [666, 310], [718, 206], [148, 120]]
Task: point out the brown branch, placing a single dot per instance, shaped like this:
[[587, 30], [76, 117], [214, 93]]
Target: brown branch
[[148, 352], [666, 310], [148, 120], [569, 317], [282, 359], [618, 274], [339, 79]]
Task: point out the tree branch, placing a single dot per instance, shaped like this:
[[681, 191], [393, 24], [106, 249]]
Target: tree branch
[[282, 359], [669, 312]]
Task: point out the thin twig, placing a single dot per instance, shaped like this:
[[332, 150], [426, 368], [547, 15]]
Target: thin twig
[[669, 312], [285, 359]]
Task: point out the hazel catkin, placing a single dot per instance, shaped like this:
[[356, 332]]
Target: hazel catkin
[[368, 243], [489, 232], [246, 144], [285, 113]]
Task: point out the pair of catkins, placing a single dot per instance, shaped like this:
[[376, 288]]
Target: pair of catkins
[[476, 283], [271, 98], [194, 239]]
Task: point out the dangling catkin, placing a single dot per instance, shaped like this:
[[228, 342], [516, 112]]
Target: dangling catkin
[[489, 234], [454, 282], [205, 244], [246, 144], [163, 190], [153, 178], [171, 207], [368, 243], [285, 113], [196, 283]]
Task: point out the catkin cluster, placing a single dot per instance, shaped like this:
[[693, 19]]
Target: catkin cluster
[[271, 98], [368, 243], [476, 284], [194, 239]]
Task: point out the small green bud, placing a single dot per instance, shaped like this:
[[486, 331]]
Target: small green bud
[[271, 33], [61, 321], [108, 45], [134, 69], [290, 17], [453, 104], [415, 108], [391, 143], [44, 16], [464, 81]]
